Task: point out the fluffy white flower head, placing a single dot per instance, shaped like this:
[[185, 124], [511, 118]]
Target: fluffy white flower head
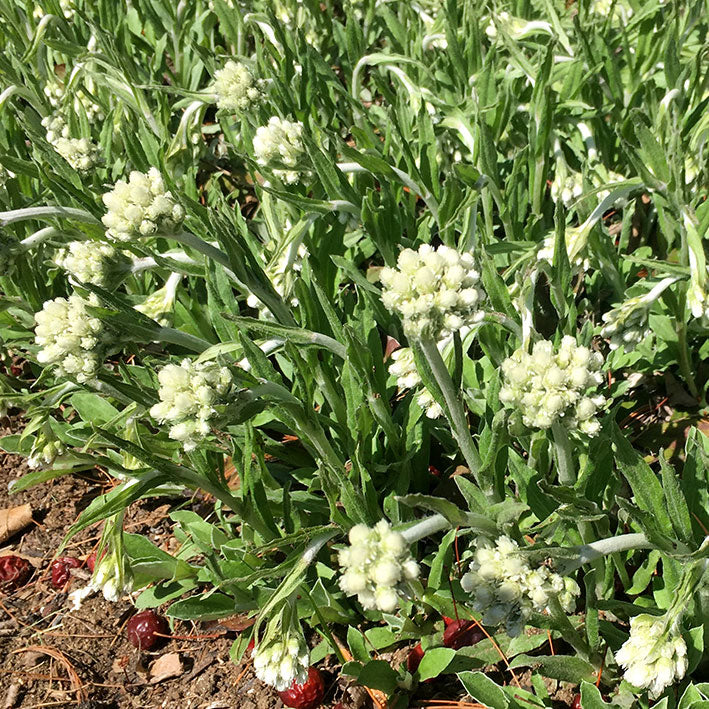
[[236, 89], [279, 146], [188, 394], [69, 337], [506, 589], [403, 367], [141, 207], [90, 261], [654, 656], [75, 99], [80, 153], [549, 386], [435, 292], [282, 657], [376, 566], [567, 188]]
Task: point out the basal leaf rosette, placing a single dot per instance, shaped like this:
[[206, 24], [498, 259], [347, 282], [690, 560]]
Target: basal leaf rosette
[[552, 385], [505, 589], [377, 566], [142, 206], [189, 393], [435, 291]]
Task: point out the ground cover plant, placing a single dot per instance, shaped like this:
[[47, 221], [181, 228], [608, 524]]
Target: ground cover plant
[[415, 292]]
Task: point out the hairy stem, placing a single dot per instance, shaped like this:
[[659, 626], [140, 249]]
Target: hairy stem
[[454, 405]]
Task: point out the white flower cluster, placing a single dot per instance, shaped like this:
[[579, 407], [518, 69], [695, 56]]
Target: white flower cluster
[[621, 10], [435, 291], [403, 367], [282, 661], [576, 239], [55, 92], [654, 656], [80, 153], [69, 337], [91, 261], [627, 324], [505, 589], [112, 576], [515, 27], [567, 188], [282, 274], [66, 6], [377, 564], [279, 146], [188, 394], [5, 175], [141, 207], [546, 387], [45, 449], [236, 89]]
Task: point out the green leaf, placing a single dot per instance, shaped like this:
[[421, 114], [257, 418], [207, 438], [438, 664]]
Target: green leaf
[[435, 661], [356, 643], [676, 504], [377, 674], [647, 490], [484, 690], [93, 408], [561, 667], [591, 697], [206, 607]]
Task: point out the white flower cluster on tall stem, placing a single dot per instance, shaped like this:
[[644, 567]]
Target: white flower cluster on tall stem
[[56, 93], [80, 153], [567, 187], [505, 589], [281, 274], [236, 89], [282, 657], [91, 262], [435, 292], [548, 386], [141, 207], [66, 6], [655, 655], [160, 303], [377, 565], [45, 448], [279, 146], [515, 27], [112, 574], [403, 367], [69, 337], [627, 324], [188, 394]]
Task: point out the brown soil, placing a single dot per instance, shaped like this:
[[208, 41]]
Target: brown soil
[[91, 663], [54, 656]]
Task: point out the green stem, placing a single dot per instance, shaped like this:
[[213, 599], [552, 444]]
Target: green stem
[[563, 455], [588, 553], [194, 242], [454, 405], [182, 339], [685, 363]]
